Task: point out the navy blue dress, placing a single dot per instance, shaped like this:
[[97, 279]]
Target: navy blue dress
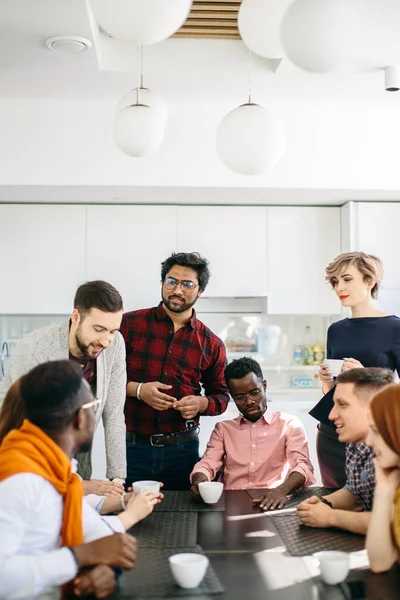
[[375, 342]]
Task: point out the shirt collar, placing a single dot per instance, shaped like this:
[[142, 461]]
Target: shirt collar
[[267, 416], [360, 448], [161, 315]]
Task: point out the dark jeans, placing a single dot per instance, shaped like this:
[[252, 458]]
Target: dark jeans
[[331, 457], [170, 464]]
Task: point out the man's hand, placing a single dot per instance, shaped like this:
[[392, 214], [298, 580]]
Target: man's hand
[[117, 550], [274, 498], [150, 394], [102, 487], [190, 406], [314, 513], [99, 581], [196, 479]]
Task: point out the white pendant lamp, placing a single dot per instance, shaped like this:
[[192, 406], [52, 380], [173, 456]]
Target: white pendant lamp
[[140, 120], [137, 131], [149, 98], [249, 139], [260, 23], [141, 22], [320, 35]]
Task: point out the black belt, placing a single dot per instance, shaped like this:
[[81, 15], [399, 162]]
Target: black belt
[[158, 440]]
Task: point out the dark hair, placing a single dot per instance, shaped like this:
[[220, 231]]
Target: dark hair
[[98, 294], [12, 411], [52, 393], [241, 367], [192, 260], [371, 378]]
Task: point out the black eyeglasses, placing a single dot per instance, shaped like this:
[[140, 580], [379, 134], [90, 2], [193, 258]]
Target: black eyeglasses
[[253, 395], [187, 286]]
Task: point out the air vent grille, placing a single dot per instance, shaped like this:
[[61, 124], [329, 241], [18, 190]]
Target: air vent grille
[[215, 20]]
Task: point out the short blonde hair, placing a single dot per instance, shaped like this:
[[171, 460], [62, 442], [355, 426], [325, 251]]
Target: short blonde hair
[[370, 267]]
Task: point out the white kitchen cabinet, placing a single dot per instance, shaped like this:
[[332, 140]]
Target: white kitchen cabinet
[[301, 242], [126, 245], [233, 239], [377, 232], [43, 257], [374, 228]]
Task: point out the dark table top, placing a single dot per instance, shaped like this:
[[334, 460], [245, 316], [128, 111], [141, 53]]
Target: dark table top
[[233, 547]]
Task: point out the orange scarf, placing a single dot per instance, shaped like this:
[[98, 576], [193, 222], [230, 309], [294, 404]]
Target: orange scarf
[[30, 450]]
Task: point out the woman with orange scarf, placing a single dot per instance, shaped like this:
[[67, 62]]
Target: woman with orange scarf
[[383, 538]]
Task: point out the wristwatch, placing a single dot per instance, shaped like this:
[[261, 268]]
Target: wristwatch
[[119, 480]]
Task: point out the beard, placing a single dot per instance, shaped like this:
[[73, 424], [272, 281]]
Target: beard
[[86, 446], [85, 348], [181, 306], [256, 415]]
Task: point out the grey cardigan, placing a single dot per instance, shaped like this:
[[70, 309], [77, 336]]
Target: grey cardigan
[[51, 343]]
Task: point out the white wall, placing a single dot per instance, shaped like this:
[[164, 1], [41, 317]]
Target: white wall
[[59, 142]]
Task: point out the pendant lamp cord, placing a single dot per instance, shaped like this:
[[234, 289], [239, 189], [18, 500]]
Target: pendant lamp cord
[[139, 72], [249, 82]]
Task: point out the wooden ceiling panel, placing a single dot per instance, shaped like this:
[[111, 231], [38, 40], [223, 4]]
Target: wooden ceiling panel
[[207, 19]]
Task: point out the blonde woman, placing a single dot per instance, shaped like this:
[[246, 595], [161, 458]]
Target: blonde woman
[[369, 338]]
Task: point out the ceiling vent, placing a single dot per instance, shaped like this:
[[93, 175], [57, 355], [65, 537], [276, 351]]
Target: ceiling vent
[[68, 44], [216, 20]]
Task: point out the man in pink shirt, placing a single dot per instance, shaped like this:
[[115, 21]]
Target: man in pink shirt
[[260, 448]]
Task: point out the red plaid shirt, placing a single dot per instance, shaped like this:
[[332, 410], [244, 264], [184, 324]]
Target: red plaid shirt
[[192, 355]]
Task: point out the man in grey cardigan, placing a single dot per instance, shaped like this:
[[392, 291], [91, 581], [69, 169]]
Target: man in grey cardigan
[[92, 339]]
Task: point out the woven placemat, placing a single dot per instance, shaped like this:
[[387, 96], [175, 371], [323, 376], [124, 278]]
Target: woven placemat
[[166, 529], [296, 497], [152, 577], [301, 540], [182, 501]]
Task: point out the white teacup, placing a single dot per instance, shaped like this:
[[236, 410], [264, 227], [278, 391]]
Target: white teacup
[[211, 491], [148, 485], [334, 365], [188, 568], [334, 565]]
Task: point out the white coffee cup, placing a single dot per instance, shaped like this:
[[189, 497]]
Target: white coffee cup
[[211, 491], [334, 565], [188, 568], [148, 485], [334, 365]]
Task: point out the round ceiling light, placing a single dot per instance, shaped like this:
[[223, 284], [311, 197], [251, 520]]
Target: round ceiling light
[[250, 140], [68, 44]]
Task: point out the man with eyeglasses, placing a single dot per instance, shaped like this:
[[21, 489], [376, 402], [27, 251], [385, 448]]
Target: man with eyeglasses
[[50, 537], [171, 356], [259, 449]]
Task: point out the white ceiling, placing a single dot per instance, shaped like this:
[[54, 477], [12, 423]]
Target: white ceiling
[[206, 68], [214, 70]]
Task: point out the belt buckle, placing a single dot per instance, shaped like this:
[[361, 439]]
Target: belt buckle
[[190, 424], [156, 435]]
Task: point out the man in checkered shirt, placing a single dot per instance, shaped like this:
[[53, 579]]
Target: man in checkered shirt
[[350, 507]]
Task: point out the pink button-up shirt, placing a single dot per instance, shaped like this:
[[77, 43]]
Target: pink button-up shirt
[[260, 454]]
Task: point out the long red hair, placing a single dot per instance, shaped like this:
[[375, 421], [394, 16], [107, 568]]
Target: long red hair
[[385, 410]]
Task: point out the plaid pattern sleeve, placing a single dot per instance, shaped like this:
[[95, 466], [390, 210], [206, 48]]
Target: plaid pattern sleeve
[[188, 359], [360, 472]]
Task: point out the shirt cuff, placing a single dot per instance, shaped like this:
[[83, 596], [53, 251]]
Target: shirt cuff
[[114, 523], [203, 470], [309, 478]]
